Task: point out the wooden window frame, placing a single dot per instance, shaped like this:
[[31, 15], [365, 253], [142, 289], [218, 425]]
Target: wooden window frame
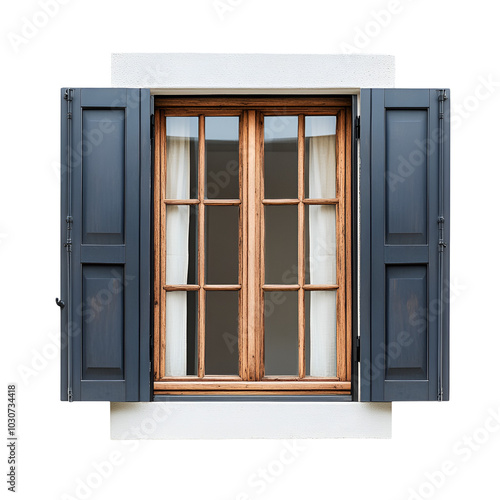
[[251, 379]]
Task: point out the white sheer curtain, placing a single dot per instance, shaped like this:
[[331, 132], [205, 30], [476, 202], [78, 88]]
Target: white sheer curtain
[[322, 244], [177, 245]]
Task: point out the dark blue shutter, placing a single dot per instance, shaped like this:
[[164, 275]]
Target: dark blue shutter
[[404, 265], [105, 238]]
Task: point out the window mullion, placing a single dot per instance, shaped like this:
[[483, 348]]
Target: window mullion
[[201, 247], [301, 249], [253, 253]]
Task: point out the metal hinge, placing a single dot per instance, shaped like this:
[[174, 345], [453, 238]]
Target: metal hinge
[[152, 127], [68, 244], [357, 127], [441, 242], [441, 98], [68, 95], [442, 95], [358, 349]]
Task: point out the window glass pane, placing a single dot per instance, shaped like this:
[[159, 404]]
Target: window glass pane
[[222, 157], [320, 244], [320, 160], [281, 156], [281, 244], [321, 333], [181, 334], [221, 333], [182, 157], [181, 229], [221, 250], [281, 345]]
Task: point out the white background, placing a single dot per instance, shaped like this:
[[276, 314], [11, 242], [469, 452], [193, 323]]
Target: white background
[[436, 44]]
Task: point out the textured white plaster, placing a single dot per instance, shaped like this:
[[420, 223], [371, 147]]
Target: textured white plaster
[[255, 420], [251, 74]]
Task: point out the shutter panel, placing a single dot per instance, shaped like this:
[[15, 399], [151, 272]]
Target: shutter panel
[[404, 270], [105, 278]]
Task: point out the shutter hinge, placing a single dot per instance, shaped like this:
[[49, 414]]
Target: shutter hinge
[[358, 349], [357, 127], [68, 95], [442, 95], [441, 242], [68, 244], [152, 127], [70, 395], [441, 98]]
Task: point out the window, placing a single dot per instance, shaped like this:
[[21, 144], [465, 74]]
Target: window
[[255, 215], [252, 245]]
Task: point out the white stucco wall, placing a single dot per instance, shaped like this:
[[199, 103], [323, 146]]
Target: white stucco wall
[[243, 420], [251, 74]]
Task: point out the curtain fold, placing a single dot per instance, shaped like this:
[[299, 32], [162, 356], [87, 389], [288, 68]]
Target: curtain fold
[[177, 245], [323, 252]]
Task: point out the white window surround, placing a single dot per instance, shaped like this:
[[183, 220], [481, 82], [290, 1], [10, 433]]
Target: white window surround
[[177, 74]]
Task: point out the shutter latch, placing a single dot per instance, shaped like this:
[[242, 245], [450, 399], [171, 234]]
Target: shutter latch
[[60, 303], [357, 127]]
